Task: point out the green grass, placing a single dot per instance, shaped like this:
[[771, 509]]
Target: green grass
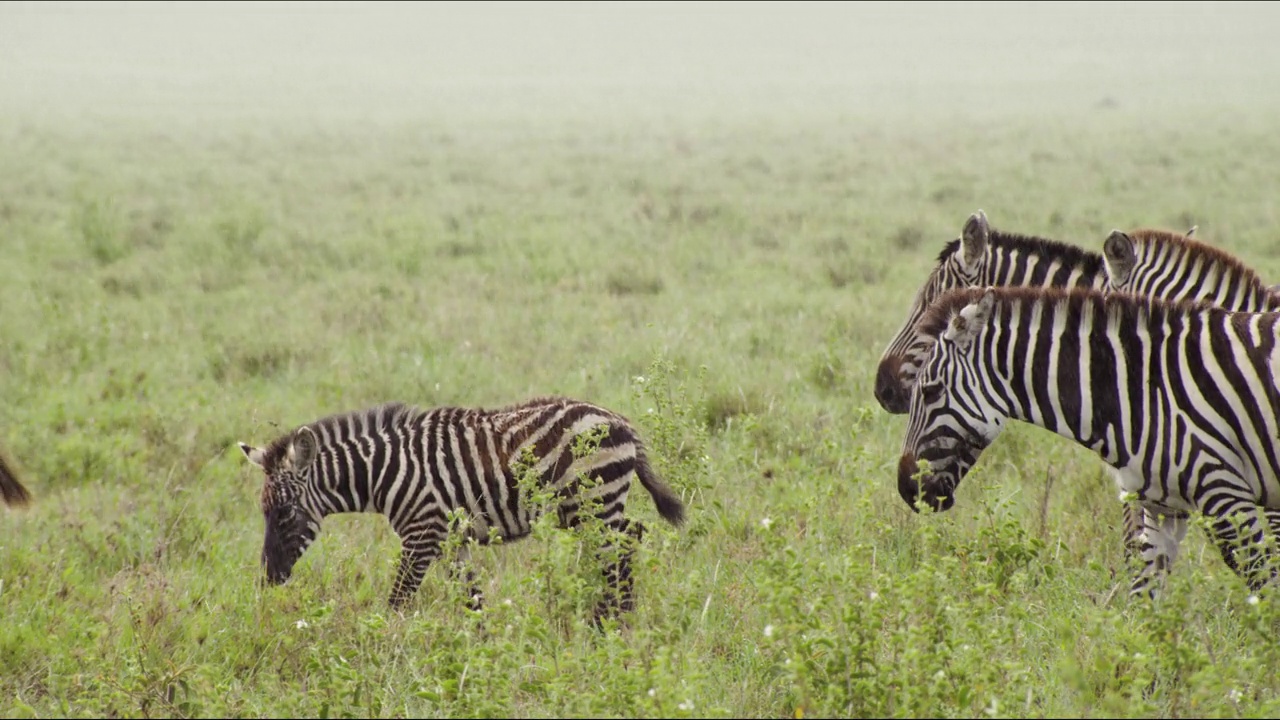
[[170, 286]]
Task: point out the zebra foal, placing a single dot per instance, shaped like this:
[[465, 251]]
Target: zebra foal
[[416, 466], [1179, 397]]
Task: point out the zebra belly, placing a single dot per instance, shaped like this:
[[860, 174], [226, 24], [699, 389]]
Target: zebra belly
[[1130, 479]]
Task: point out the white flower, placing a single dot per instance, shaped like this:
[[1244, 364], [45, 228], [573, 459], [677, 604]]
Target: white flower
[[686, 706], [1253, 599], [874, 595], [940, 675], [765, 522], [768, 631], [1234, 695], [301, 624], [639, 379], [507, 602], [653, 692]]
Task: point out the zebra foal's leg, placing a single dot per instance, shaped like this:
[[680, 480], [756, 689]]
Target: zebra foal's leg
[[615, 554], [460, 569], [419, 548], [1158, 541]]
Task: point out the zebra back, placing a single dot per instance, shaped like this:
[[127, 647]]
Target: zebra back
[[981, 256], [1168, 265]]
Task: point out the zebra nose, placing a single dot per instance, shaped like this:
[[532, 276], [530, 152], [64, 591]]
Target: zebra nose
[[889, 391]]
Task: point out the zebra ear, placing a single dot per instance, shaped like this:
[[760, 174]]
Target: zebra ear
[[302, 451], [974, 239], [966, 324], [1120, 256], [254, 454]]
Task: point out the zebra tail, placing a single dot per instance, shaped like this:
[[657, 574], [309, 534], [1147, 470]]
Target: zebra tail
[[11, 490], [669, 505]]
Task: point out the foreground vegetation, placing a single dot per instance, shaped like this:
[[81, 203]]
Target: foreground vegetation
[[170, 286]]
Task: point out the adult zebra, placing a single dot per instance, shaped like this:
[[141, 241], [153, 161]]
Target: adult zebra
[[1158, 263], [980, 257], [984, 257], [1164, 264], [12, 490], [1179, 397], [416, 466]]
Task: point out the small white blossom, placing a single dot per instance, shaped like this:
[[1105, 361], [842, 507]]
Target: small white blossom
[[768, 631], [1234, 695], [686, 706], [940, 675], [507, 602], [639, 379], [301, 624], [874, 595], [1253, 600], [650, 411], [653, 692], [765, 522]]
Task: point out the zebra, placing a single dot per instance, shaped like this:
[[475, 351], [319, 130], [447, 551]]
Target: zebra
[[1168, 265], [983, 256], [980, 257], [416, 466], [12, 491], [1178, 396], [1164, 264]]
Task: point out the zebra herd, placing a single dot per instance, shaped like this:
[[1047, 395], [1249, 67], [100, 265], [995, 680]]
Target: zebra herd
[[1156, 353]]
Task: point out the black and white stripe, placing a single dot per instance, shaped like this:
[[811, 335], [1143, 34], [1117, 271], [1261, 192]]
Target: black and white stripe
[[1162, 264], [980, 257], [1179, 397], [416, 466]]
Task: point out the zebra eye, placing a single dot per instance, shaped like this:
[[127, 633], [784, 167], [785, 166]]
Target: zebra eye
[[931, 392]]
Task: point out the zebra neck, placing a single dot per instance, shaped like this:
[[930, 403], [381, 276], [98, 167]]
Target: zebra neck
[[344, 483], [1058, 399], [1038, 263]]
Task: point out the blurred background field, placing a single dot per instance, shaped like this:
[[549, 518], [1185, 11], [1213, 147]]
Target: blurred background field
[[222, 220]]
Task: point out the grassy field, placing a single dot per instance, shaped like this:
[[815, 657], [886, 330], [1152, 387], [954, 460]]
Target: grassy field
[[724, 268]]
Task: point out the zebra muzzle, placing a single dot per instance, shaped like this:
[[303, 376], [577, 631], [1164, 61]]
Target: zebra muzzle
[[922, 491], [890, 392]]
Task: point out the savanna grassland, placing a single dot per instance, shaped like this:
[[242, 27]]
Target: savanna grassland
[[182, 269]]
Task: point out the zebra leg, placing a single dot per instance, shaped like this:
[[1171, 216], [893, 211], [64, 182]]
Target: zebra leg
[[1161, 535], [1237, 530], [418, 549], [619, 594], [460, 569], [1133, 526]]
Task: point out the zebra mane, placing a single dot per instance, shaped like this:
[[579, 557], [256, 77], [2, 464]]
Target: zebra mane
[[1072, 255], [1115, 306], [1184, 246], [374, 417]]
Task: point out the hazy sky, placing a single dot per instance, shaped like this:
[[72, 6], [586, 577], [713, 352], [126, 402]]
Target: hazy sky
[[121, 49]]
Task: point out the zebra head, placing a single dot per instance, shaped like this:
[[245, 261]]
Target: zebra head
[[951, 420], [290, 525], [960, 265]]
